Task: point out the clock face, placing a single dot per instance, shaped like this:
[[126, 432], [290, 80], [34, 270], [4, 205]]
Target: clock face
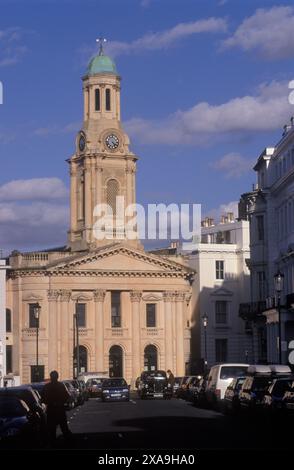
[[82, 143], [112, 141]]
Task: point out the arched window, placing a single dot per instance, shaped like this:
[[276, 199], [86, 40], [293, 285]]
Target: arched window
[[150, 358], [97, 99], [115, 361], [8, 321], [111, 194], [107, 99], [83, 358]]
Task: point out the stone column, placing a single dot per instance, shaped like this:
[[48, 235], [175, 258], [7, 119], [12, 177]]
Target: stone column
[[99, 296], [52, 330], [168, 333], [73, 197], [88, 202], [65, 355], [180, 358], [135, 297]]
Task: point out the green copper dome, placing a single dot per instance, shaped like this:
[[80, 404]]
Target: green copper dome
[[101, 64]]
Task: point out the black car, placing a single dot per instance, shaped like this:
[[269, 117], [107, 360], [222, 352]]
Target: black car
[[199, 396], [253, 391], [288, 401], [154, 385], [115, 389], [231, 399], [18, 424], [30, 397], [273, 399]]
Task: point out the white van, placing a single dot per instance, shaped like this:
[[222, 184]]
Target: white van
[[93, 375], [219, 378]]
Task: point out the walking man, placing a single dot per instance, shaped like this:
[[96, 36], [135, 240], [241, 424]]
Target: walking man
[[55, 395]]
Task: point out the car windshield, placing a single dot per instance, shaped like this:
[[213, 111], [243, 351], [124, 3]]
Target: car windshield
[[154, 375], [115, 383], [260, 383], [231, 372], [239, 383], [11, 408]]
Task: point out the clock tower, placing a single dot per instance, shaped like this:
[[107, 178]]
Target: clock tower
[[102, 169]]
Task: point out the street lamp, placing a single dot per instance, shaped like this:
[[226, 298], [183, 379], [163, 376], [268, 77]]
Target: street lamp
[[205, 322], [76, 344], [37, 311], [279, 282]]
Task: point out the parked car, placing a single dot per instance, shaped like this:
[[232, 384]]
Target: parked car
[[192, 386], [18, 424], [231, 398], [30, 397], [259, 379], [182, 386], [219, 378], [199, 395], [94, 387], [115, 389], [74, 398], [80, 392], [176, 385], [288, 401], [154, 385], [272, 401]]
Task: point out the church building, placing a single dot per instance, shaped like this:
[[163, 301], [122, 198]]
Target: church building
[[102, 302]]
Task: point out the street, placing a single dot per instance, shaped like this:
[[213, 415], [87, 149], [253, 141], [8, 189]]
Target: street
[[164, 424]]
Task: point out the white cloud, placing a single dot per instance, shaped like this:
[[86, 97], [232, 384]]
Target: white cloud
[[158, 40], [11, 48], [268, 31], [33, 214], [55, 130], [165, 39], [233, 165], [265, 110], [223, 209], [33, 189], [32, 226]]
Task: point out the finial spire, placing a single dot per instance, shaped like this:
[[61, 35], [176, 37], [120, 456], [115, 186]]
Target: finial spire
[[100, 41]]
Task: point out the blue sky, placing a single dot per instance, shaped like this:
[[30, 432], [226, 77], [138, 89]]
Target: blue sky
[[204, 90]]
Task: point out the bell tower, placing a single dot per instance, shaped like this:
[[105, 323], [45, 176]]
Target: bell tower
[[102, 167]]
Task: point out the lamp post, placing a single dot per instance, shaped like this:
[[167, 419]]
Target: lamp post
[[205, 321], [76, 345], [279, 282], [37, 311]]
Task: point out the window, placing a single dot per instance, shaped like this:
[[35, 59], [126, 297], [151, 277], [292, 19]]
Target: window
[[107, 99], [221, 312], [111, 194], [221, 350], [97, 99], [260, 227], [115, 309], [81, 314], [33, 322], [8, 320], [261, 285], [151, 315], [8, 359], [219, 269]]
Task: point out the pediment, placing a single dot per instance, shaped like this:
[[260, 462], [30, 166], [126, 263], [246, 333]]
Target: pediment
[[151, 297], [222, 292], [119, 258], [30, 297]]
